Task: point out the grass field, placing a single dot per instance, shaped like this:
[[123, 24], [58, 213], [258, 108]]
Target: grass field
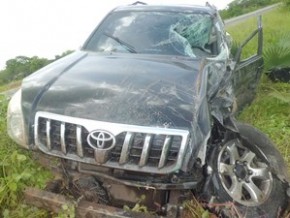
[[17, 171], [269, 112], [11, 85]]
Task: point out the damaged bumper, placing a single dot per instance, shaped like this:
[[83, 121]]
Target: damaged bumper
[[54, 202]]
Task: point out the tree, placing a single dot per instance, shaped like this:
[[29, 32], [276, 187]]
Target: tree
[[286, 3], [239, 7], [20, 67], [63, 54]]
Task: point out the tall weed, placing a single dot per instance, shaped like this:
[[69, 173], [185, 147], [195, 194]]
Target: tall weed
[[277, 54], [17, 171]]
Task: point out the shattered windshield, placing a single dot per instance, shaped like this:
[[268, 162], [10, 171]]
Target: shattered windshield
[[164, 33]]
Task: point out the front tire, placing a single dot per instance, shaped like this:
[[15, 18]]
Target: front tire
[[242, 175]]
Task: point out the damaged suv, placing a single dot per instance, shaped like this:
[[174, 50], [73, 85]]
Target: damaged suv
[[145, 108]]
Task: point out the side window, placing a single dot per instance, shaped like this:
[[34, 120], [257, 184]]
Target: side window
[[249, 65], [250, 49], [247, 46]]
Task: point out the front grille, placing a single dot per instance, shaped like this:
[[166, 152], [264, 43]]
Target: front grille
[[136, 148]]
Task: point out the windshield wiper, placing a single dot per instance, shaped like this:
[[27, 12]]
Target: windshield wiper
[[127, 46]]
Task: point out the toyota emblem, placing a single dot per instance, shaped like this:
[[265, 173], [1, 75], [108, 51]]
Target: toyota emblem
[[101, 139]]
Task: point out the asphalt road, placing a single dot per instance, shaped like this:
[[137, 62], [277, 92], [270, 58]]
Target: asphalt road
[[10, 92], [236, 20]]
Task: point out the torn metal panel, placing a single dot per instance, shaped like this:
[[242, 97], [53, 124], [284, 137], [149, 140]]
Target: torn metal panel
[[220, 90]]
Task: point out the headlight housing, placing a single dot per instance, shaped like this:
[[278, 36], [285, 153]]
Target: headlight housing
[[15, 120]]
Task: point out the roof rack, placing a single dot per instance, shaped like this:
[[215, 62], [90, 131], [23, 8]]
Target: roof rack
[[139, 3]]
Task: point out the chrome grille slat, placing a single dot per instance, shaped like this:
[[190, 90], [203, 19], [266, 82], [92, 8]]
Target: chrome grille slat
[[62, 138], [79, 143], [124, 156], [145, 150], [165, 150], [48, 139], [138, 148]]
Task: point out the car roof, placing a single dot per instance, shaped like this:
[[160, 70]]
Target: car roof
[[171, 8]]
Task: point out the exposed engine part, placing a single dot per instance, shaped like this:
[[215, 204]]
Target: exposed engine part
[[55, 186], [89, 188]]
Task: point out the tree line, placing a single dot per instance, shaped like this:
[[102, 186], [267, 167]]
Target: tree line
[[22, 66]]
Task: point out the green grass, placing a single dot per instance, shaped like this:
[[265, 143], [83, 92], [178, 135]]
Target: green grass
[[17, 171], [11, 85], [275, 23], [270, 113]]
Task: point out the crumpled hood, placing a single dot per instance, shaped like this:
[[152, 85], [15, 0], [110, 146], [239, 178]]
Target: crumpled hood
[[128, 88]]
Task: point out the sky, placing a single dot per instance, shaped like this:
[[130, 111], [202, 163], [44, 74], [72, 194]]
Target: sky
[[46, 28]]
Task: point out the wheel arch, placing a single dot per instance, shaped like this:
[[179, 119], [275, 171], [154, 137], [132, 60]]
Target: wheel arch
[[249, 134]]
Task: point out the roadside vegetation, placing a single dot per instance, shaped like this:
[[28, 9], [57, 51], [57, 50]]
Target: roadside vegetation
[[17, 171], [269, 112], [240, 7], [11, 85], [22, 66]]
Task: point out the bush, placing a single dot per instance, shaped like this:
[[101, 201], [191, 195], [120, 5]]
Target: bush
[[17, 171]]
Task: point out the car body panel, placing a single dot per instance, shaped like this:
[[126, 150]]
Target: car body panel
[[125, 85], [154, 90], [246, 79]]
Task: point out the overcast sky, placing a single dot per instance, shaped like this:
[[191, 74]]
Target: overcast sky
[[46, 28]]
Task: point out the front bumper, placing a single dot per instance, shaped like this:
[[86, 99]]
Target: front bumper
[[54, 202]]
